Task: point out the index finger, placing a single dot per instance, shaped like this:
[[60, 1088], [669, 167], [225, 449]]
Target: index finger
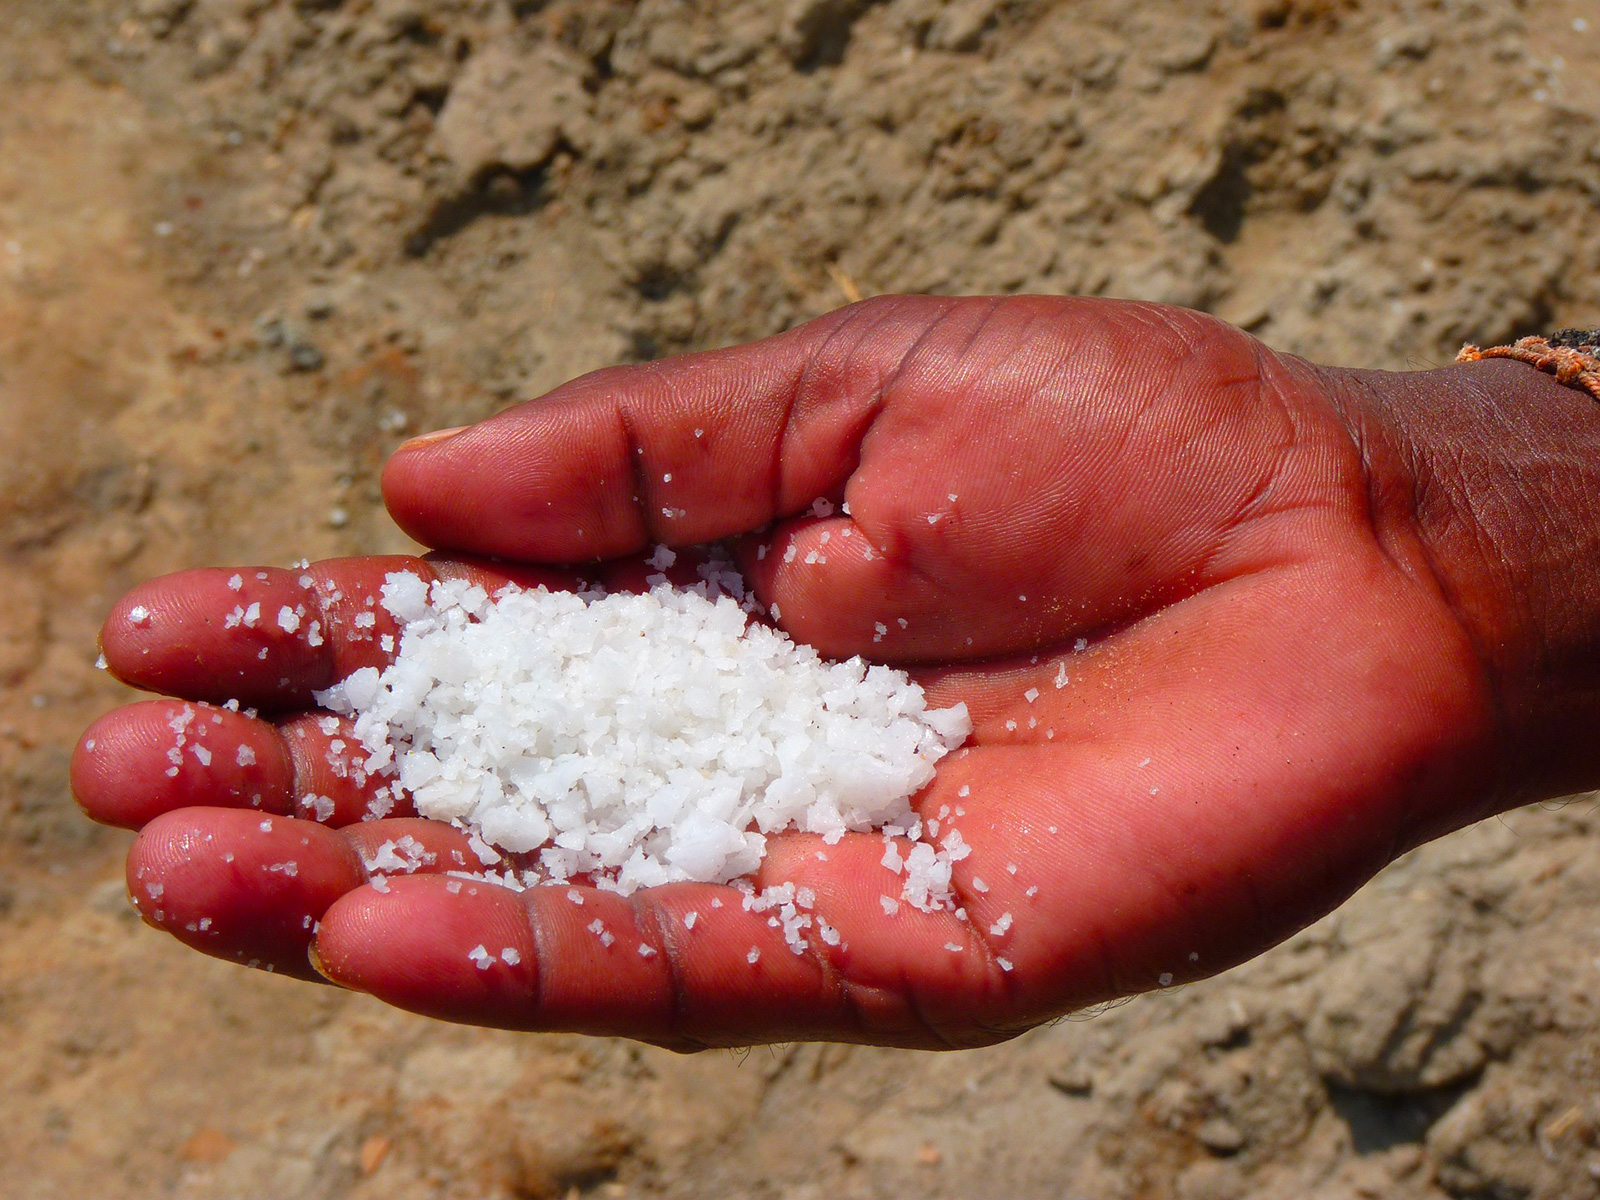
[[268, 637]]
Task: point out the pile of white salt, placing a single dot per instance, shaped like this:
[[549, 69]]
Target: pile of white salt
[[641, 739]]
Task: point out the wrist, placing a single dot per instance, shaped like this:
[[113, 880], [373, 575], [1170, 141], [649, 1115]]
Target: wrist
[[1489, 475]]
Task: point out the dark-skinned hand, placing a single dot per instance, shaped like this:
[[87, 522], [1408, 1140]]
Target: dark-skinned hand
[[1292, 640]]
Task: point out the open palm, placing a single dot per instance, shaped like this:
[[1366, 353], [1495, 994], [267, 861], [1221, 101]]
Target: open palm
[[1210, 698]]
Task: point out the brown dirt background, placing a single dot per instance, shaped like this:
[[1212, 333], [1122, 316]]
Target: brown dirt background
[[246, 245]]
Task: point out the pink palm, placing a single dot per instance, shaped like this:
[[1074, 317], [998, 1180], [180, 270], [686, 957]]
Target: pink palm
[[1261, 698]]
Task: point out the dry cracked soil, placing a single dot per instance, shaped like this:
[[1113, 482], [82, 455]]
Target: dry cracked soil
[[246, 246]]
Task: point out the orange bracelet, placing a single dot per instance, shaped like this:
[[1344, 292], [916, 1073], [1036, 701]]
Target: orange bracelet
[[1571, 355]]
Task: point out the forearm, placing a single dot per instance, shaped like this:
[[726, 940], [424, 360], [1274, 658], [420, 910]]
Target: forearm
[[1491, 471]]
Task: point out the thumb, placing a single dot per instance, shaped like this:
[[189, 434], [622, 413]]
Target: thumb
[[683, 451]]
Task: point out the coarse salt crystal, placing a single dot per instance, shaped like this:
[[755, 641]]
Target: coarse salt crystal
[[753, 957], [139, 615]]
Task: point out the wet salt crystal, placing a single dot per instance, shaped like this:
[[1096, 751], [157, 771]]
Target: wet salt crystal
[[699, 432], [1011, 868], [1081, 644], [285, 868], [1164, 979], [89, 745], [139, 615], [1061, 675], [979, 885], [1005, 963], [227, 856], [203, 924], [890, 905], [933, 518], [822, 507], [100, 663], [753, 957], [1031, 695], [607, 938], [715, 902], [953, 947], [667, 478], [761, 551], [646, 950], [1032, 892], [266, 826], [1145, 763], [689, 918]]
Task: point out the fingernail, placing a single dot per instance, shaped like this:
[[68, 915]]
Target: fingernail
[[423, 440], [315, 960]]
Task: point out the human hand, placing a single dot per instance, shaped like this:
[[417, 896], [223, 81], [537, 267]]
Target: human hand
[[1272, 673]]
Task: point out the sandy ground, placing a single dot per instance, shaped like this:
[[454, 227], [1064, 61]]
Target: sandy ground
[[246, 245]]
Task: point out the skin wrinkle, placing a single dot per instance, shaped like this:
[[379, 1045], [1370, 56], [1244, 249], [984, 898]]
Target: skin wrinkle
[[644, 905], [1412, 489], [540, 938], [633, 449]]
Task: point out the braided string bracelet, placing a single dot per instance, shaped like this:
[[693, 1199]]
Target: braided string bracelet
[[1571, 355]]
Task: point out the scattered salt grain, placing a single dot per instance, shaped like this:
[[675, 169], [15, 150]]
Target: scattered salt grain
[[139, 615], [1164, 979], [689, 918], [753, 957], [953, 947], [1001, 925], [646, 950], [235, 582], [201, 754], [480, 957], [288, 619], [1005, 963], [1031, 695], [509, 956], [979, 885]]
